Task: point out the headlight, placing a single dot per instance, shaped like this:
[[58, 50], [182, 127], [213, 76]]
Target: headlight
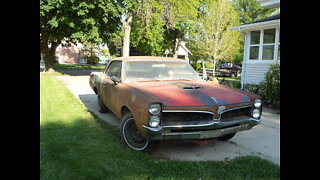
[[257, 103], [154, 121], [256, 113], [155, 109]]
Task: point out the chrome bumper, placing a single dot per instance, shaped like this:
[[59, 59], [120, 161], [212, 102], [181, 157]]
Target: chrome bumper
[[207, 131]]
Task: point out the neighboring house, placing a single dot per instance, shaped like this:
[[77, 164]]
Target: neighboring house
[[71, 54], [68, 54], [183, 51], [262, 45]]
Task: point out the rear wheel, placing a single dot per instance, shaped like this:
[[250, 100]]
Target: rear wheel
[[132, 137], [226, 137]]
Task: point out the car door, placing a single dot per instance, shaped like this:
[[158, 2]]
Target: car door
[[109, 88]]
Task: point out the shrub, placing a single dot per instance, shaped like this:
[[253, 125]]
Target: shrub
[[196, 66], [208, 65], [269, 89], [93, 60]]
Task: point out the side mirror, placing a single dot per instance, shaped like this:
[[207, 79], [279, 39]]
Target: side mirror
[[115, 79]]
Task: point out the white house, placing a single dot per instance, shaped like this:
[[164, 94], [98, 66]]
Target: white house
[[183, 51], [262, 45]]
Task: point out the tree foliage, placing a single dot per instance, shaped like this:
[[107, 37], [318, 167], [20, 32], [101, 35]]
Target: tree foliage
[[148, 29], [251, 10], [213, 40], [152, 26], [76, 21], [162, 24]]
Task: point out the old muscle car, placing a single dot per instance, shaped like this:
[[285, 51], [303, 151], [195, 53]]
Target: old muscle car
[[160, 98]]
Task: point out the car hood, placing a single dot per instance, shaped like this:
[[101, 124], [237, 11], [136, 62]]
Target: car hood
[[191, 93]]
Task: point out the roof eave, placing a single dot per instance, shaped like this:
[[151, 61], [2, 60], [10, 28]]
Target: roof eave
[[264, 24]]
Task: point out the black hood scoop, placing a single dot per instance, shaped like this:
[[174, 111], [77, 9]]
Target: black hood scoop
[[191, 87]]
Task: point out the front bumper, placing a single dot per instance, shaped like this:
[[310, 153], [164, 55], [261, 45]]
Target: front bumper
[[207, 131]]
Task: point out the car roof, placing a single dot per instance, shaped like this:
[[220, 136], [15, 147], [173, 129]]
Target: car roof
[[146, 58]]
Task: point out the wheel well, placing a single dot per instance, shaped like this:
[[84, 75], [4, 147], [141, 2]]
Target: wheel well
[[95, 90], [125, 110]]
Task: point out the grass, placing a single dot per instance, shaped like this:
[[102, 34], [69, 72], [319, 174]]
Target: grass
[[236, 81], [75, 144], [78, 67]]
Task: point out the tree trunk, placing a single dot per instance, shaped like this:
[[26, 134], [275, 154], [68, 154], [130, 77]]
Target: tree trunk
[[126, 37], [214, 67], [48, 55], [176, 47]]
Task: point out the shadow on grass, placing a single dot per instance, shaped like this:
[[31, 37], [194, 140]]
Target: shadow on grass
[[92, 149]]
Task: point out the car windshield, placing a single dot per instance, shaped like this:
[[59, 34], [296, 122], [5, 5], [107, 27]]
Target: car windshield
[[159, 70]]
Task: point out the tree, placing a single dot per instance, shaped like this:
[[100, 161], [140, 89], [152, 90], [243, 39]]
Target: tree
[[251, 10], [213, 40], [180, 17], [87, 22], [162, 24], [148, 29], [131, 7]]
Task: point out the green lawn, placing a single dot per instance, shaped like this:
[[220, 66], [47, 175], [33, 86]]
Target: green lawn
[[74, 144], [78, 67], [236, 81]]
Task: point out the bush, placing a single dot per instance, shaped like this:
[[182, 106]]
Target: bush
[[208, 65], [269, 89], [196, 66], [93, 60]]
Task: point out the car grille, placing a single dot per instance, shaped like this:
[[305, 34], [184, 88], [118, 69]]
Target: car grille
[[237, 114], [186, 118]]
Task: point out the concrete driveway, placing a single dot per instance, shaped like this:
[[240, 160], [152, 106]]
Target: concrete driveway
[[262, 140]]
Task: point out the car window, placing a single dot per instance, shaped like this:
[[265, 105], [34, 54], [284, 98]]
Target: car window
[[159, 70], [114, 69]]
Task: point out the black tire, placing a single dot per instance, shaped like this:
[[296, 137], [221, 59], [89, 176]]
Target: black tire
[[132, 137], [226, 137], [102, 107]]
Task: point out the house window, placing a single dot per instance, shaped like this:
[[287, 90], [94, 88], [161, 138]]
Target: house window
[[254, 45], [263, 45], [268, 44], [254, 52]]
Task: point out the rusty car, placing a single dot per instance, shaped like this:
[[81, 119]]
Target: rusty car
[[162, 98]]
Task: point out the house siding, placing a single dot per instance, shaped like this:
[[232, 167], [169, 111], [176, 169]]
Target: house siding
[[254, 70], [255, 73]]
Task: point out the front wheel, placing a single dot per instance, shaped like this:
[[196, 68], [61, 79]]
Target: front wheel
[[132, 137]]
